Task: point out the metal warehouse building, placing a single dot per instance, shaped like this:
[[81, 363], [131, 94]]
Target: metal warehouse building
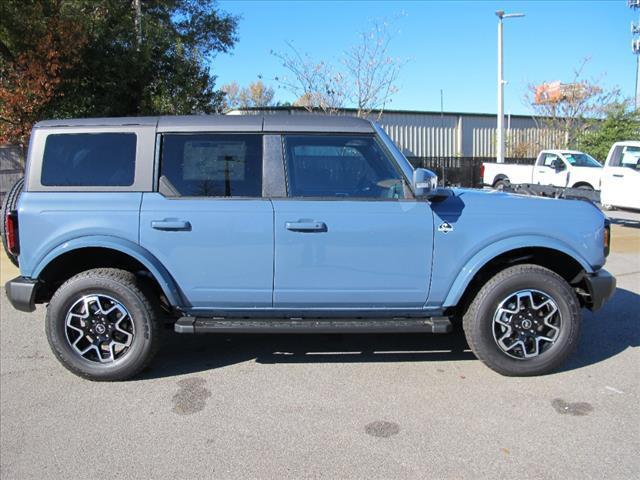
[[449, 134]]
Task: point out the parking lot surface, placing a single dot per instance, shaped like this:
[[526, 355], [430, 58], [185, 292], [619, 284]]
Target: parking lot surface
[[331, 406]]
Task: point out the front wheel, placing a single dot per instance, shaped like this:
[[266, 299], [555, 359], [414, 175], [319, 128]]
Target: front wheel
[[525, 321], [102, 326]]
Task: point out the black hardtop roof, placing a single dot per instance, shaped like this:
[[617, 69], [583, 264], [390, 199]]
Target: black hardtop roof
[[269, 123]]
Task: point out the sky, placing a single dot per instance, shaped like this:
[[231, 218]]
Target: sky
[[449, 46]]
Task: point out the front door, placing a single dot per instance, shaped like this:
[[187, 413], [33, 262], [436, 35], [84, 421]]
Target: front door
[[208, 224], [621, 178], [550, 170], [349, 235]]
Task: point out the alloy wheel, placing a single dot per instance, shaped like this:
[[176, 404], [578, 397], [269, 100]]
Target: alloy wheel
[[526, 324], [99, 328]]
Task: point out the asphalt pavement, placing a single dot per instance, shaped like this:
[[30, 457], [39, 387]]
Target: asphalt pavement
[[331, 406]]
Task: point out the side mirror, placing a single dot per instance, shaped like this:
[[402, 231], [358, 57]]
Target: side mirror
[[425, 182], [558, 165]]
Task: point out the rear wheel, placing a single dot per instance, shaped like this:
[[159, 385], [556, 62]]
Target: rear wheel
[[101, 325], [9, 204], [502, 184], [524, 321]]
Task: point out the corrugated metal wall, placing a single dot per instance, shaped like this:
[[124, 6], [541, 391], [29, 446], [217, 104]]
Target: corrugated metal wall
[[430, 134], [421, 135]]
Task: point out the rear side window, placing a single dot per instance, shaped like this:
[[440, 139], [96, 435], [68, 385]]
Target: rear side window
[[211, 165], [340, 166], [89, 160]]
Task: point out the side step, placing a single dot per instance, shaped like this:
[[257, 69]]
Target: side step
[[312, 325]]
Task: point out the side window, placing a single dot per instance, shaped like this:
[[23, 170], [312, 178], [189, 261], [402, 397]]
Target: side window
[[89, 160], [630, 157], [211, 165], [340, 166], [616, 156], [549, 159]]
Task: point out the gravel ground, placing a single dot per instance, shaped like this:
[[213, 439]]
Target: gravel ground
[[331, 406]]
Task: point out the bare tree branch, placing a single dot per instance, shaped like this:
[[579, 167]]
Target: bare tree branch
[[571, 108], [366, 78]]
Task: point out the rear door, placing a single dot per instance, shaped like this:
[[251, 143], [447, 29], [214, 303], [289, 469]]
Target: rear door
[[208, 223], [349, 236]]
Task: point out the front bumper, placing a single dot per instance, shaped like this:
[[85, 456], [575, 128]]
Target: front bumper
[[21, 292], [601, 286]]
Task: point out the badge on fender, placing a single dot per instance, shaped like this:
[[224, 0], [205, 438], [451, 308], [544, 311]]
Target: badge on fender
[[445, 227]]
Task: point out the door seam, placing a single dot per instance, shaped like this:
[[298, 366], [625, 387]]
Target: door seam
[[273, 256]]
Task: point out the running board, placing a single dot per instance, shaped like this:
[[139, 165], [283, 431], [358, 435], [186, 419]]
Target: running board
[[312, 325]]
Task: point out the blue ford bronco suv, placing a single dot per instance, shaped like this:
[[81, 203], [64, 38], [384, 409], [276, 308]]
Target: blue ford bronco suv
[[295, 223]]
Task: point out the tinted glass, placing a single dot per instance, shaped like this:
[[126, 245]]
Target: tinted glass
[[89, 160], [340, 166], [213, 165]]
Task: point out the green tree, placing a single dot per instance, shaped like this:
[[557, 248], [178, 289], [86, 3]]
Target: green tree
[[139, 57], [29, 77], [620, 123]]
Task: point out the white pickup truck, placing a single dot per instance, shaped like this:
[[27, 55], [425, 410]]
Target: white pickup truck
[[621, 176], [559, 168]]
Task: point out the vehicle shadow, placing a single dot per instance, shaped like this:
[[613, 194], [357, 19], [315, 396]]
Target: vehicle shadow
[[609, 331], [185, 354], [605, 334]]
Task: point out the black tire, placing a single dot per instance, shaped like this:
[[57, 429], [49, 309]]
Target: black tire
[[502, 184], [586, 187], [123, 287], [9, 204], [478, 320]]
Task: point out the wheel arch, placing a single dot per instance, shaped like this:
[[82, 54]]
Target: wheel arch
[[583, 184], [85, 253], [501, 177], [489, 261]]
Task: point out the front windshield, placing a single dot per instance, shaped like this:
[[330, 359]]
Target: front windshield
[[581, 160]]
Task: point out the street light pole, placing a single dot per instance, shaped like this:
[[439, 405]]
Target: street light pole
[[500, 124]]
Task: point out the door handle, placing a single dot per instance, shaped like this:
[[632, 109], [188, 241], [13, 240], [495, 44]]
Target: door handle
[[171, 225], [618, 175], [306, 226]]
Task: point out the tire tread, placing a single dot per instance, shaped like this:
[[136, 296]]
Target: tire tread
[[9, 203], [482, 351], [126, 280]]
